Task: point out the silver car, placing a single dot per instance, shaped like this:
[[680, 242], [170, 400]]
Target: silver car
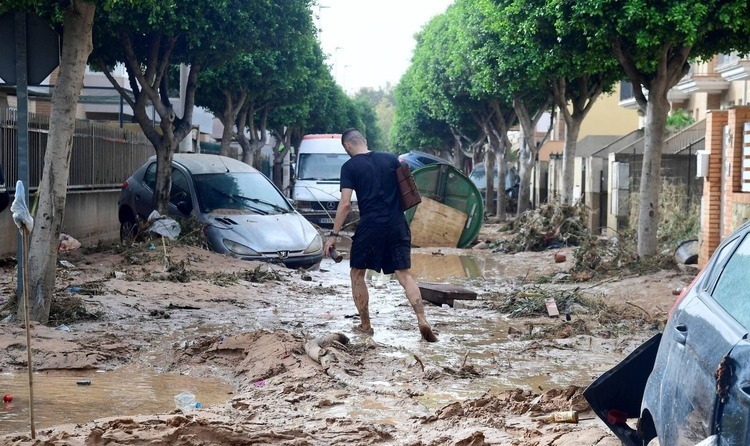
[[243, 213]]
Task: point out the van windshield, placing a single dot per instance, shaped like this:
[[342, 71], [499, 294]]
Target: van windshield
[[320, 166]]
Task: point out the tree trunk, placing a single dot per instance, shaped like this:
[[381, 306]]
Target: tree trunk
[[226, 134], [527, 154], [458, 156], [648, 216], [251, 156], [526, 158], [150, 85], [164, 155], [227, 118], [489, 170], [278, 159], [573, 128], [246, 120], [79, 17], [672, 67], [502, 202], [583, 97]]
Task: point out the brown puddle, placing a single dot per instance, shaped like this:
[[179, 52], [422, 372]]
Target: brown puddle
[[58, 399]]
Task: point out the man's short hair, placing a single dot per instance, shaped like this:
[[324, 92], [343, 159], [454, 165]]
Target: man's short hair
[[352, 135]]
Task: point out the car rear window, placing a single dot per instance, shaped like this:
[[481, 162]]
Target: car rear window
[[732, 291]]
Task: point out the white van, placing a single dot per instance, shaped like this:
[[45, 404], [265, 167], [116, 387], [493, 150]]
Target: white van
[[316, 188]]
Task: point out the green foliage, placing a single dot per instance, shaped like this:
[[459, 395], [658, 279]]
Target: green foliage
[[434, 96], [204, 31], [275, 72], [366, 114], [651, 32], [414, 127], [678, 119]]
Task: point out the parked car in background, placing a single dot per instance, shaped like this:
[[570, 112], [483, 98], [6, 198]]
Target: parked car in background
[[242, 212], [691, 383], [478, 176], [416, 159]]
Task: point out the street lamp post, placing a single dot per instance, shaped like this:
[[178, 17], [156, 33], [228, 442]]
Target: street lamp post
[[317, 17]]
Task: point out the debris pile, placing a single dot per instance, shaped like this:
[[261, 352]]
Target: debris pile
[[552, 225], [530, 301], [581, 313], [68, 309], [618, 255]]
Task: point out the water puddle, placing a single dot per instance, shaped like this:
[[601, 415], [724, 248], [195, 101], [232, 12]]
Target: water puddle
[[475, 335], [59, 399]]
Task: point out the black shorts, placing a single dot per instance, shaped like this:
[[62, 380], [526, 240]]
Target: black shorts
[[385, 249]]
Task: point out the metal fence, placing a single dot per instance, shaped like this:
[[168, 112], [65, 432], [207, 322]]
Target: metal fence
[[103, 155]]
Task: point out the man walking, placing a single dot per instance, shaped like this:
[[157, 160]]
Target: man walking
[[382, 240]]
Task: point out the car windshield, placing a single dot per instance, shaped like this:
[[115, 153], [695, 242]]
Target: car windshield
[[320, 166], [479, 177], [239, 191]]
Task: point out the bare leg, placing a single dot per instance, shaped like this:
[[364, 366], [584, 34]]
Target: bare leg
[[415, 298], [361, 299]]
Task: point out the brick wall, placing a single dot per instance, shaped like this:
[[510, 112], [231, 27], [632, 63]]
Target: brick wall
[[716, 225]]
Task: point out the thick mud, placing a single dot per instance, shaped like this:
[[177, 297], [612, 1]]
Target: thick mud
[[235, 334]]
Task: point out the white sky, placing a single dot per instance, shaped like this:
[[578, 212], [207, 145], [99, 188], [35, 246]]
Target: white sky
[[375, 38]]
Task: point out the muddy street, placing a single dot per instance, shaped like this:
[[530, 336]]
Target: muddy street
[[270, 354]]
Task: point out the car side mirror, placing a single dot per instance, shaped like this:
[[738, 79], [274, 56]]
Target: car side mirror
[[185, 207]]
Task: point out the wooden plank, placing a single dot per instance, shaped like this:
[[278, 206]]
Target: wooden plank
[[444, 293], [552, 310], [435, 224]]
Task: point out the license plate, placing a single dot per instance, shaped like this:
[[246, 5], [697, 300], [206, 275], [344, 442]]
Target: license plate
[[326, 220]]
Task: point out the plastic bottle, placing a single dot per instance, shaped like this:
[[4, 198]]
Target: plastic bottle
[[185, 401], [569, 416]]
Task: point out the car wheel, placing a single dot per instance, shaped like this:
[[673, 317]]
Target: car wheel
[[128, 230]]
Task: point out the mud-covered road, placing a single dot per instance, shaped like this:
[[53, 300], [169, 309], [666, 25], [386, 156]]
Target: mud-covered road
[[128, 336]]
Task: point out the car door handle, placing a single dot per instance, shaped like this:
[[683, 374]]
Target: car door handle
[[137, 197], [680, 334]]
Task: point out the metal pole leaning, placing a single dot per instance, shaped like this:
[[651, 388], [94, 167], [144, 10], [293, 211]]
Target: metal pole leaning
[[26, 311], [25, 223]]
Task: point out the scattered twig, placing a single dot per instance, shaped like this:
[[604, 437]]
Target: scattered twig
[[419, 361], [640, 308]]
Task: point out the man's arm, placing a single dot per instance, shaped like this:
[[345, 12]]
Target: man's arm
[[345, 205]]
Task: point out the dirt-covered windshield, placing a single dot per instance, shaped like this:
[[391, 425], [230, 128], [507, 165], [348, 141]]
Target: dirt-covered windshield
[[239, 191]]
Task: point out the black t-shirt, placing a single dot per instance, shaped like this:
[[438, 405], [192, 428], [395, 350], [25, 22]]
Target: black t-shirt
[[372, 176]]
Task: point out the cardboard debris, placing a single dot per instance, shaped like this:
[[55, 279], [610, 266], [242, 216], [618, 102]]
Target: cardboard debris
[[435, 224]]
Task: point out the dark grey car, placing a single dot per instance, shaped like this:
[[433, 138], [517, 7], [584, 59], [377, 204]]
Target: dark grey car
[[416, 159], [690, 384], [242, 211]]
